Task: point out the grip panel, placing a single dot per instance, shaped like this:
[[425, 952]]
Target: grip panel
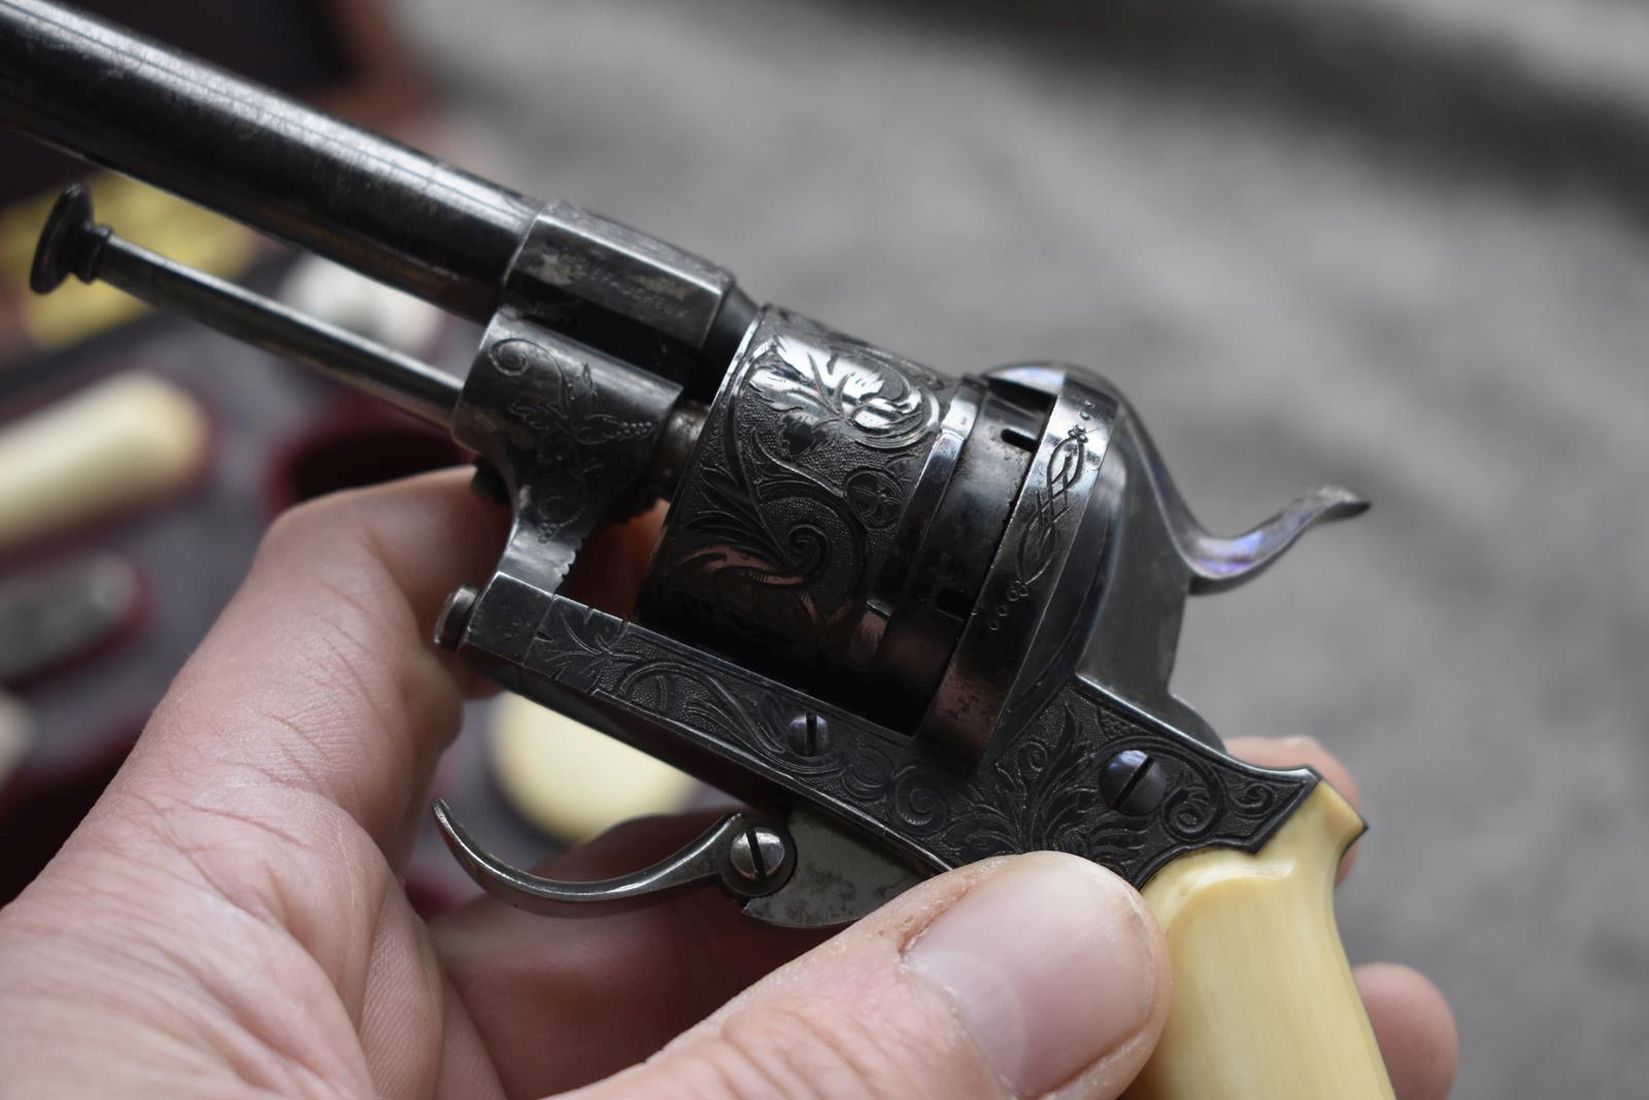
[[1264, 1004]]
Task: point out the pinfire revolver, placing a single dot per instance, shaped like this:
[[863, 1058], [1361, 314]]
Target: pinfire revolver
[[914, 620]]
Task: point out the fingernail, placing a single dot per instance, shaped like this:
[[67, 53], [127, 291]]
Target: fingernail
[[1051, 966]]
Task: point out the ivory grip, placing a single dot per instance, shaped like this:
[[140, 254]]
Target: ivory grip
[[1264, 1006]]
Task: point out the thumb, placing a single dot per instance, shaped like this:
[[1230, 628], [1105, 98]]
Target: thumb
[[1011, 977]]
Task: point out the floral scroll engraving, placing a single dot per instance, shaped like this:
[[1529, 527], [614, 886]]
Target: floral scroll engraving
[[1037, 787], [803, 470]]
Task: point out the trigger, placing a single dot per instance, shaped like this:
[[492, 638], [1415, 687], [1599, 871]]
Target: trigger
[[746, 858]]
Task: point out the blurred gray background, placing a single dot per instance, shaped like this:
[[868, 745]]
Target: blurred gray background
[[1402, 244]]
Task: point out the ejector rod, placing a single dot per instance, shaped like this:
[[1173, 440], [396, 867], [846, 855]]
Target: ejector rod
[[73, 244], [388, 211]]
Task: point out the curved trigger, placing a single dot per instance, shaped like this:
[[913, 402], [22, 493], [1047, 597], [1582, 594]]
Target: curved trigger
[[747, 859]]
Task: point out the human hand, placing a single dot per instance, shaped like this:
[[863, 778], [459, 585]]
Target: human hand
[[229, 919]]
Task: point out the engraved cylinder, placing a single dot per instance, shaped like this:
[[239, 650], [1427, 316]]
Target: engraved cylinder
[[836, 523]]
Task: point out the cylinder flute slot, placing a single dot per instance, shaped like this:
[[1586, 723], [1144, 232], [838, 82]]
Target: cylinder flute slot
[[72, 244]]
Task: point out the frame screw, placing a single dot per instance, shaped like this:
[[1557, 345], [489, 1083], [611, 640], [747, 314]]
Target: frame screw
[[1132, 783], [760, 860], [809, 734], [455, 617]]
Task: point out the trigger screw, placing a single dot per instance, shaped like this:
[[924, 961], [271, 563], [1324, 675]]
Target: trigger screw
[[1132, 783], [760, 859]]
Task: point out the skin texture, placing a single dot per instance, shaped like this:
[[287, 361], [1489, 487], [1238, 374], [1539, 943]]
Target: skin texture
[[229, 919]]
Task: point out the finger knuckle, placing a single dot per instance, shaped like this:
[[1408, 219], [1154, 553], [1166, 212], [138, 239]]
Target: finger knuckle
[[296, 533]]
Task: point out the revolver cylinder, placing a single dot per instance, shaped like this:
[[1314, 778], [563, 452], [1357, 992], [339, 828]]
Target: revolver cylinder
[[839, 517]]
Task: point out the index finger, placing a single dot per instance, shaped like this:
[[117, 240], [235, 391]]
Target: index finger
[[318, 677]]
